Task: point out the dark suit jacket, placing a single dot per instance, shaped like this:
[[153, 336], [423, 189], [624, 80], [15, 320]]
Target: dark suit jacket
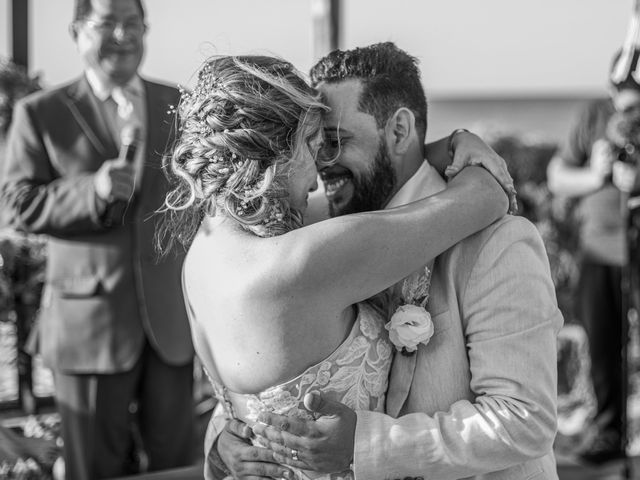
[[105, 290]]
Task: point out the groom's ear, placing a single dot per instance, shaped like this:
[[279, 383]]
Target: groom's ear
[[399, 130]]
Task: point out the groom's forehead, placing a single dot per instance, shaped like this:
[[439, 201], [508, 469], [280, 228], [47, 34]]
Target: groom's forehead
[[343, 100], [342, 94]]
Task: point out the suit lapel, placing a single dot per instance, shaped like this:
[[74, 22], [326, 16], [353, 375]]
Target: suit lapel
[[158, 138], [86, 110], [157, 126], [424, 183], [400, 382]]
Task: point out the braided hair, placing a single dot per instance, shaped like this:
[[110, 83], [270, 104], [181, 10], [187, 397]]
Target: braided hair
[[241, 131]]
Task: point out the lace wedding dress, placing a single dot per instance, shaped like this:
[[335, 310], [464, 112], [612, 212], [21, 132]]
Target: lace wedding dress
[[356, 374]]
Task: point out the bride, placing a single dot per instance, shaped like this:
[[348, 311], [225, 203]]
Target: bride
[[276, 310]]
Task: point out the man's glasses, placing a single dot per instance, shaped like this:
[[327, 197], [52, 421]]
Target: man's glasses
[[108, 27]]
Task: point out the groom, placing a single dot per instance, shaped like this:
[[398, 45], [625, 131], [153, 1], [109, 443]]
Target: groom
[[479, 400]]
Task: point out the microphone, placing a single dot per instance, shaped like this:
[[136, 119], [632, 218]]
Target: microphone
[[129, 138]]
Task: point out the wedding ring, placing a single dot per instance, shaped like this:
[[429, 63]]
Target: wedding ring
[[294, 454]]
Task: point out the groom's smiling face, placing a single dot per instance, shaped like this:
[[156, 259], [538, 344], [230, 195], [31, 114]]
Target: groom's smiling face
[[362, 177]]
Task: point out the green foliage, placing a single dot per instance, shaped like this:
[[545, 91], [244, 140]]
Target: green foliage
[[22, 265]]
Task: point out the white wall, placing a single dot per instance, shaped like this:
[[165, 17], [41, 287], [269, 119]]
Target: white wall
[[182, 34], [498, 47], [467, 47], [5, 22]]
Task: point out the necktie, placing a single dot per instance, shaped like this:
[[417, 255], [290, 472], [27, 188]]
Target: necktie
[[126, 117], [122, 97]]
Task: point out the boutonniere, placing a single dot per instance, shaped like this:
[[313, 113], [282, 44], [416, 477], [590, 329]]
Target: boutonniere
[[411, 323]]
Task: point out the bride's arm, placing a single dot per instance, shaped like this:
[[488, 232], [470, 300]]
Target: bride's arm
[[438, 154], [350, 258], [451, 154]]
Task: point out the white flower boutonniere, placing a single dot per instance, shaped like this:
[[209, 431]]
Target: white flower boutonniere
[[411, 324]]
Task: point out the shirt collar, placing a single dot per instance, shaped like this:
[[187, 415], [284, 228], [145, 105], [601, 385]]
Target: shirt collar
[[102, 89], [426, 181]]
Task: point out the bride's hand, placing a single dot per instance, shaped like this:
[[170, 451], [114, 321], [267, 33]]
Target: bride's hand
[[469, 149], [324, 445], [243, 459]]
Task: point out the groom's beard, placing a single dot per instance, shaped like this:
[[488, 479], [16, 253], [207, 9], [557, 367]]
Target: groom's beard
[[370, 192]]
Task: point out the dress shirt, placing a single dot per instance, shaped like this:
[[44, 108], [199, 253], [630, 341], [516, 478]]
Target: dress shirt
[[426, 179], [134, 92]]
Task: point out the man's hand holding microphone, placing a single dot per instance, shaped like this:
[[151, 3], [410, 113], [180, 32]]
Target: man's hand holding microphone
[[116, 178]]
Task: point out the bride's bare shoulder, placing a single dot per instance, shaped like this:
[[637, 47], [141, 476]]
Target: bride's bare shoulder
[[224, 255]]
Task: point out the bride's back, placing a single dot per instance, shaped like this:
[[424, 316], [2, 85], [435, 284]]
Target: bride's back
[[251, 326], [268, 298], [244, 163]]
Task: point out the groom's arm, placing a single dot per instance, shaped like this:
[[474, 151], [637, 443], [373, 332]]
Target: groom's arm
[[229, 452], [214, 466], [510, 321], [439, 152]]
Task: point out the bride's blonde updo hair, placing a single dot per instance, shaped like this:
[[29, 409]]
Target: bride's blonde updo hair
[[241, 131]]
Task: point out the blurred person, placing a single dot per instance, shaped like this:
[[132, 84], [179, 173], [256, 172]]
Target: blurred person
[[285, 311], [597, 165], [477, 399], [113, 326]]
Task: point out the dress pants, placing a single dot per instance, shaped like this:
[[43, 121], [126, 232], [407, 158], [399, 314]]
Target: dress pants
[[97, 418], [600, 308]]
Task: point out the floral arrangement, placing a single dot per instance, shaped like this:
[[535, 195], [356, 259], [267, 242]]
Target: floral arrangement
[[22, 265], [21, 470], [15, 83], [31, 450], [22, 257]]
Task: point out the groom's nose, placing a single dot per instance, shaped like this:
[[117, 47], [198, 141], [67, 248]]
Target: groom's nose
[[314, 186]]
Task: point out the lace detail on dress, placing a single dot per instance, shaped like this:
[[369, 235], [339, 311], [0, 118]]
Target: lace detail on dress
[[356, 374]]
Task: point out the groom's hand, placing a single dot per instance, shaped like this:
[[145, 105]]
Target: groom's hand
[[244, 460], [323, 445]]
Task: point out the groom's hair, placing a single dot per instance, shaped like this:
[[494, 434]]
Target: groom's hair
[[390, 78]]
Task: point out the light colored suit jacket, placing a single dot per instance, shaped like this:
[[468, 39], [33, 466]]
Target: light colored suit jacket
[[479, 400], [105, 290]]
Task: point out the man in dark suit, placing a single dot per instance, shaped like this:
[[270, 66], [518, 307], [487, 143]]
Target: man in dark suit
[[112, 326]]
